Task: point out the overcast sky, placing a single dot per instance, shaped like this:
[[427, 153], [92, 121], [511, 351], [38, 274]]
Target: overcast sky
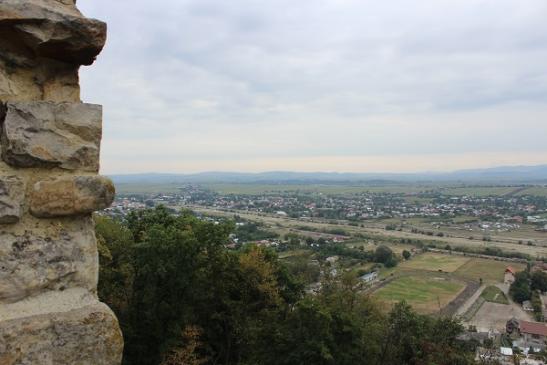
[[320, 85]]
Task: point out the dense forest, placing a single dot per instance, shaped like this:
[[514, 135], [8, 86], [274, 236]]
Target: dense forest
[[182, 298]]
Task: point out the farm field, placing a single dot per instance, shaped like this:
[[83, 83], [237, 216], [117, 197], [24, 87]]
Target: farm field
[[534, 190], [335, 188], [436, 262], [479, 190], [419, 282], [253, 189], [396, 247], [136, 188], [490, 271], [424, 292]]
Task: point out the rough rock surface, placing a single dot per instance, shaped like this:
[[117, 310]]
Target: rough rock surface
[[48, 80], [31, 264], [11, 195], [47, 134], [50, 142], [71, 196], [53, 30], [49, 339]]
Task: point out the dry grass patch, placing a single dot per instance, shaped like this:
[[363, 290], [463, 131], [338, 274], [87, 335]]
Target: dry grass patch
[[435, 262], [490, 271]]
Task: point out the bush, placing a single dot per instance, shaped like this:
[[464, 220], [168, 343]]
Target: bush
[[406, 254]]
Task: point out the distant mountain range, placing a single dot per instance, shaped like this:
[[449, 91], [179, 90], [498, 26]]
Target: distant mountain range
[[496, 175]]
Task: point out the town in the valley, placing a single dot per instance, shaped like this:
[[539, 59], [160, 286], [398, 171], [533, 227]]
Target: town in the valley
[[478, 253]]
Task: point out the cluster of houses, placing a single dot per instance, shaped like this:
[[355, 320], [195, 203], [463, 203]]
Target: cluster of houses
[[358, 206], [524, 340], [528, 337]]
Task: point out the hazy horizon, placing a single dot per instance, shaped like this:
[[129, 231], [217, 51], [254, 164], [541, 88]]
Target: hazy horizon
[[327, 171], [331, 85]]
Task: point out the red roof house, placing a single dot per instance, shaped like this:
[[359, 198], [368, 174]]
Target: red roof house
[[535, 329]]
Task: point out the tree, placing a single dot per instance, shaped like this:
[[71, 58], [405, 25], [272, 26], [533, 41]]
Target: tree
[[187, 354], [116, 247], [539, 281], [520, 289], [410, 338], [406, 254], [383, 254]]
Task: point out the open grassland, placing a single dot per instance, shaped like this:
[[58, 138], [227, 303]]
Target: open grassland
[[426, 293], [293, 253], [534, 190], [494, 294], [494, 190], [435, 262], [490, 271], [396, 247], [259, 188], [254, 189], [478, 190], [138, 188]]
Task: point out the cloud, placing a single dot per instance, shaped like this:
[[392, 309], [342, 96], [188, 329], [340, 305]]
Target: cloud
[[220, 81]]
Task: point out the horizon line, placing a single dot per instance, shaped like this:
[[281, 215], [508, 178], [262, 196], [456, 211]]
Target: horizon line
[[327, 171]]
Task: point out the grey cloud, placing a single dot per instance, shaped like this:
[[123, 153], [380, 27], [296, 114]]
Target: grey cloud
[[234, 70]]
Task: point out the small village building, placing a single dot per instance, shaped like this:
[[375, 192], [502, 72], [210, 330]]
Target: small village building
[[509, 276], [506, 351], [533, 335], [370, 277], [527, 306]]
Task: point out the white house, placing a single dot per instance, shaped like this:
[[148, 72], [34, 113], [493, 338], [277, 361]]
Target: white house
[[370, 277], [533, 335]]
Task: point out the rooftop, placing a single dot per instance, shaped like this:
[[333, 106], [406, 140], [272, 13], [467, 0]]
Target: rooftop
[[534, 328]]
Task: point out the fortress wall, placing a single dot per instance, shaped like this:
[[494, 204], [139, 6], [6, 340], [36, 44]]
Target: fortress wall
[[50, 146]]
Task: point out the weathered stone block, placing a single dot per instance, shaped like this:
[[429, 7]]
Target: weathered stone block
[[46, 134], [52, 29], [71, 196], [11, 197], [83, 336], [31, 264]]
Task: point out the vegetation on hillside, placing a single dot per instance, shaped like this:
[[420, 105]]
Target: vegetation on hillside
[[182, 298]]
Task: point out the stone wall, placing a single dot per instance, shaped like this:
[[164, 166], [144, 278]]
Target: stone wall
[[50, 144]]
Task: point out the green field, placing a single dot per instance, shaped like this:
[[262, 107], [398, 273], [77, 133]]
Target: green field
[[334, 188], [424, 293], [494, 190], [396, 247], [494, 294], [478, 190], [253, 189], [133, 188], [435, 262], [534, 190], [490, 271]]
